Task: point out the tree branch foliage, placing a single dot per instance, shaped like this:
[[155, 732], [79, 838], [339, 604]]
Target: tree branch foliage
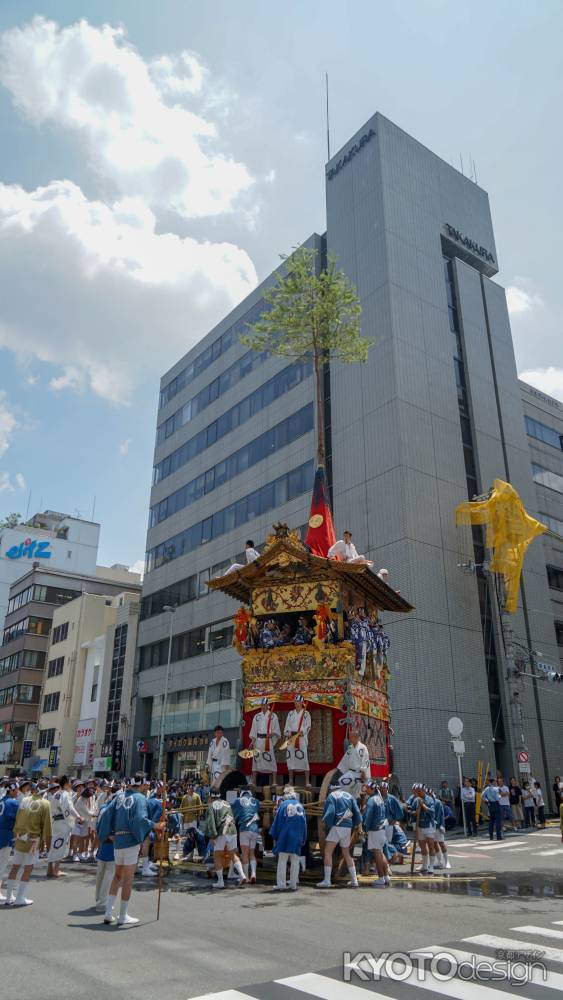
[[310, 313]]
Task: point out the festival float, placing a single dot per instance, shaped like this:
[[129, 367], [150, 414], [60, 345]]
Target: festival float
[[341, 672]]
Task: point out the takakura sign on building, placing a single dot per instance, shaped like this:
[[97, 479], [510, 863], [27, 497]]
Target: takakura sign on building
[[469, 244]]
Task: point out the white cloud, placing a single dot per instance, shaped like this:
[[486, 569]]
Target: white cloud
[[92, 81], [519, 300], [548, 380], [8, 423], [124, 447], [7, 485], [138, 567], [32, 379], [113, 300]]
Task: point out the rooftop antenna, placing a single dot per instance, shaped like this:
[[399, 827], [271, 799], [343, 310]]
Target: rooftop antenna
[[461, 161], [28, 505], [327, 119], [93, 507], [475, 170]]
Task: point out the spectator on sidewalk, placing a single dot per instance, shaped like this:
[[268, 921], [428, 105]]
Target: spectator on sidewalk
[[491, 795], [515, 796], [468, 806], [528, 805], [539, 803], [505, 812]]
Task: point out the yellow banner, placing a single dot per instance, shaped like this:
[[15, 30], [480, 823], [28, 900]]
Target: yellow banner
[[509, 531]]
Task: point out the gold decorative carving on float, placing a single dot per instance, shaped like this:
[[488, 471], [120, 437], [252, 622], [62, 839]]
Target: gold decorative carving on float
[[298, 663], [293, 597]]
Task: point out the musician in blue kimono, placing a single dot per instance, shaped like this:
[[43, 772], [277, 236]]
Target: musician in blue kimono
[[289, 832], [361, 635], [126, 819]]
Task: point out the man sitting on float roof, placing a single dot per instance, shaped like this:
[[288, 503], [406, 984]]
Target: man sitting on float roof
[[345, 550], [251, 555]]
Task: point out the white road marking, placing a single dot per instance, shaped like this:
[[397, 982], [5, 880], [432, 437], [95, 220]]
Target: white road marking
[[515, 850], [539, 931], [498, 845], [224, 995], [547, 854], [328, 989], [512, 944], [554, 980], [457, 988]]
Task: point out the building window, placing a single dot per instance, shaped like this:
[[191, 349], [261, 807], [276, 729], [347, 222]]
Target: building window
[[116, 683], [94, 688], [28, 693], [559, 633], [46, 738], [293, 484], [545, 477], [51, 701], [554, 523], [55, 667], [210, 393], [262, 447], [211, 353], [238, 414], [541, 432], [29, 626], [221, 637], [555, 577], [60, 633], [31, 659]]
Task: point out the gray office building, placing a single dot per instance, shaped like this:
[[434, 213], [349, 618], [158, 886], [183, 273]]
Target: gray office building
[[433, 417]]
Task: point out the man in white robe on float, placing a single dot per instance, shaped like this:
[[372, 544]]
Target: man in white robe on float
[[218, 757], [265, 733], [297, 728], [345, 550]]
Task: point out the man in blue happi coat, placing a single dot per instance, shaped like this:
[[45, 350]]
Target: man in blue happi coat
[[289, 832], [246, 810], [9, 806], [126, 819], [422, 805], [340, 816], [376, 825]]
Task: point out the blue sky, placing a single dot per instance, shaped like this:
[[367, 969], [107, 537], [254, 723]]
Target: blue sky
[[156, 158]]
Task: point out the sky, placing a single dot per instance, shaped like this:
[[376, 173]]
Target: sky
[[155, 159]]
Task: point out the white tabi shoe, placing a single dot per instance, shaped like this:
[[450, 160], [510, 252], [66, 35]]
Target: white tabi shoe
[[379, 883], [448, 865], [22, 902], [324, 885], [279, 888], [352, 885], [127, 921]]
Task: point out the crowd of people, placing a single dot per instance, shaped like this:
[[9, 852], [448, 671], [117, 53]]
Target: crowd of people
[[116, 824]]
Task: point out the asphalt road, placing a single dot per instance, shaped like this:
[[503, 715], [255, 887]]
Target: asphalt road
[[208, 941]]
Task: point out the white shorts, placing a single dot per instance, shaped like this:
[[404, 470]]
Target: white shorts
[[248, 838], [389, 832], [339, 835], [127, 855], [225, 843], [377, 839], [439, 836], [427, 832], [25, 858]]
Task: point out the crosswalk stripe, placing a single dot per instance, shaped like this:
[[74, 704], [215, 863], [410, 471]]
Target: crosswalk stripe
[[543, 833], [545, 931], [456, 988], [226, 995], [512, 944], [499, 845], [554, 980], [328, 989], [548, 854], [515, 850]]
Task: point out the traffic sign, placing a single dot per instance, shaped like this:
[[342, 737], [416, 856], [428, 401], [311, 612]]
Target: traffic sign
[[53, 756], [524, 768], [523, 757]]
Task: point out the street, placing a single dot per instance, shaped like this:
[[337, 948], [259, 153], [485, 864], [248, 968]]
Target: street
[[500, 895]]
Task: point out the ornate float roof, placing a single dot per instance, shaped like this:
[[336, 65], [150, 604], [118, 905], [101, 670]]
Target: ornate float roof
[[286, 560]]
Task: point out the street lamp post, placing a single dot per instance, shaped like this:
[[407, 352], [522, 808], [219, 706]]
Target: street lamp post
[[171, 609]]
